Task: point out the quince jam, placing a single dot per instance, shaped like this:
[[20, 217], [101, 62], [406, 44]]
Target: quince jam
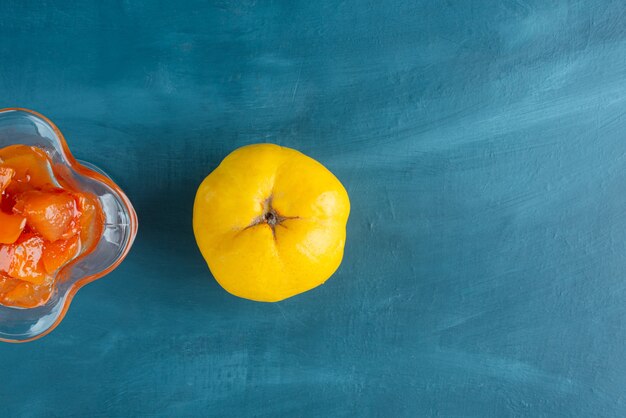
[[46, 222]]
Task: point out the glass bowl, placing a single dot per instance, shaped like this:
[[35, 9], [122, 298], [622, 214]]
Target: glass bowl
[[22, 126]]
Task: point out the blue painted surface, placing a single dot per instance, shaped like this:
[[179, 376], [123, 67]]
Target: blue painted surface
[[483, 145]]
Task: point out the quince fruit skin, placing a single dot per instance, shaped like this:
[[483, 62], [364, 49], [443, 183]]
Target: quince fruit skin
[[271, 222]]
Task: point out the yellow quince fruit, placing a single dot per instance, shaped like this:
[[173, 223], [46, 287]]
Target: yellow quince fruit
[[270, 222]]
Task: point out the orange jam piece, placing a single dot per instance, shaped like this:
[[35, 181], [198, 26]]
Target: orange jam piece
[[6, 175], [58, 253], [51, 214], [31, 165], [25, 257], [15, 292], [12, 227], [45, 224], [90, 211]]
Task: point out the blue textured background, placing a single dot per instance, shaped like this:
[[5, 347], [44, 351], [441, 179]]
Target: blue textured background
[[483, 145]]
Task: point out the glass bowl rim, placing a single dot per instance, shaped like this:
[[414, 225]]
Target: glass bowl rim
[[80, 169]]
